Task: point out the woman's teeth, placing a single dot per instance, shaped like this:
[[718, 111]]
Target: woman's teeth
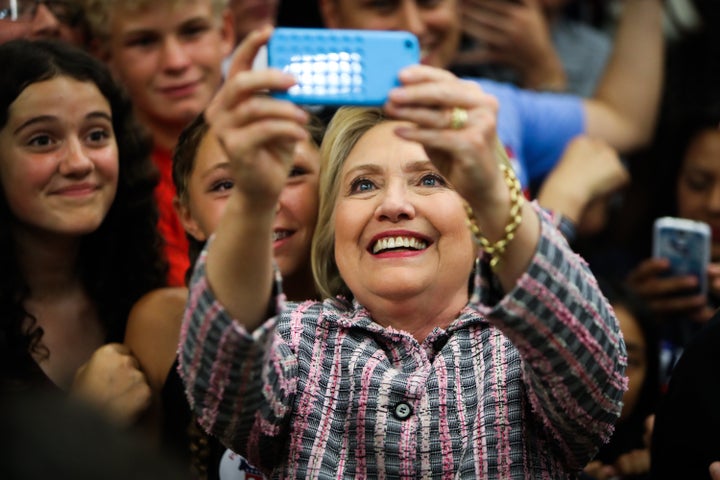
[[398, 242]]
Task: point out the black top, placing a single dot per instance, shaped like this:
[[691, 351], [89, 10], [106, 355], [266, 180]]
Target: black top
[[181, 435], [686, 437]]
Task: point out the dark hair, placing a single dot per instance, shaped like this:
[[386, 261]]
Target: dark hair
[[122, 259], [182, 167], [670, 149]]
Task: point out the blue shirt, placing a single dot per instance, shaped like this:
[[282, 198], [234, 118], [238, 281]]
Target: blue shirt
[[535, 127]]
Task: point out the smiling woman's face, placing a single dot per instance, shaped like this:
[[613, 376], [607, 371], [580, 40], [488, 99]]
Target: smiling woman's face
[[400, 230], [59, 157]]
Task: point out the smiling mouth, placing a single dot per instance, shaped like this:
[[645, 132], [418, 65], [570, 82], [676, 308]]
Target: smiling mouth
[[281, 234], [398, 243], [77, 190]]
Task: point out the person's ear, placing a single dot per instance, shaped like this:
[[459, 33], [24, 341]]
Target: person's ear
[[188, 221], [329, 12], [227, 32]]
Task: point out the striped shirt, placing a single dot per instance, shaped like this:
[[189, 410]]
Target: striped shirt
[[526, 385]]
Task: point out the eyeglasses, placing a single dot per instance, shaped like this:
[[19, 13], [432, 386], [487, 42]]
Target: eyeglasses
[[25, 10]]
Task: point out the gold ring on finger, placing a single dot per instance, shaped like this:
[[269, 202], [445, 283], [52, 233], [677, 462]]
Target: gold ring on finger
[[458, 118]]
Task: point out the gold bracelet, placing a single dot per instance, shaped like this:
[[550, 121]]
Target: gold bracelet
[[517, 200]]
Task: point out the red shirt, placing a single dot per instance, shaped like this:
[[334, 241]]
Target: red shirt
[[172, 231]]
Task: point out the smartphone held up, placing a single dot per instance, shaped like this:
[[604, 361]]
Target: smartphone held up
[[341, 67], [686, 244]]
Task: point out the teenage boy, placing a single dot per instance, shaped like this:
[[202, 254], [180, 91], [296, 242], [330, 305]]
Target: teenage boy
[[168, 55]]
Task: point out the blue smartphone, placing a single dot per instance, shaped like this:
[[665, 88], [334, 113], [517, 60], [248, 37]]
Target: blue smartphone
[[341, 67], [686, 243]]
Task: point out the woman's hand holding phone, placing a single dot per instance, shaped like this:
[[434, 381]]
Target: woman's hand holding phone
[[675, 281]]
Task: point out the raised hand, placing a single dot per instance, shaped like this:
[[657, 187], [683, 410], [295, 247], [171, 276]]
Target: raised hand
[[513, 33], [455, 121], [668, 295], [583, 180], [464, 153], [257, 132]]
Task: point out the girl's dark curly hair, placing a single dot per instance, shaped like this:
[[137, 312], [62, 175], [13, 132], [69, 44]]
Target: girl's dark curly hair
[[122, 259]]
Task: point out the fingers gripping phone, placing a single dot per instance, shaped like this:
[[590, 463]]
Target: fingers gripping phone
[[686, 243], [341, 67]]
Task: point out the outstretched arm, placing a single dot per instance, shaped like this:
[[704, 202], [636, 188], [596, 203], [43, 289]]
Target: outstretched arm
[[222, 343], [625, 105], [553, 312], [258, 134]]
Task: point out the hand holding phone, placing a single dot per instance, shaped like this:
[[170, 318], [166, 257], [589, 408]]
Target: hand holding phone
[[686, 244], [341, 67]]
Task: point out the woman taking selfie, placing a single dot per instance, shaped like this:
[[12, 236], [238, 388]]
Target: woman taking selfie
[[459, 336]]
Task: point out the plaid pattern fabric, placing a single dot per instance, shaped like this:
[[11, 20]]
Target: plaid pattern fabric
[[525, 387]]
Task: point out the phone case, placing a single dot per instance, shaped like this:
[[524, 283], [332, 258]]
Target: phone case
[[341, 67], [686, 243]]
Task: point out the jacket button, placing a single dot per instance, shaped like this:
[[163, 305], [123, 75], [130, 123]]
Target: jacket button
[[402, 411]]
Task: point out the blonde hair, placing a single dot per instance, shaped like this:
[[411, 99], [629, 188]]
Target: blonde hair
[[98, 13], [347, 127]]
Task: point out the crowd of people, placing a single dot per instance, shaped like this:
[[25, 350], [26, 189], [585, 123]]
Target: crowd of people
[[258, 289]]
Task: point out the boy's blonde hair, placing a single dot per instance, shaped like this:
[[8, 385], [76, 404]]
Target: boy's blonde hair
[[99, 12]]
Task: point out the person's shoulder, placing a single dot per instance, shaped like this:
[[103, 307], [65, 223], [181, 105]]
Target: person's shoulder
[[153, 330], [157, 314], [159, 307]]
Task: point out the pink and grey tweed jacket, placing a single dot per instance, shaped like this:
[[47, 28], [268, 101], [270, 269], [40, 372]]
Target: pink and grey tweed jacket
[[526, 385]]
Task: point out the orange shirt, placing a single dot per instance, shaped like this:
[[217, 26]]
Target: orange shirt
[[172, 231]]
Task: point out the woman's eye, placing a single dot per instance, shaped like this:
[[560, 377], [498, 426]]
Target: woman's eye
[[222, 186], [99, 135], [697, 184], [432, 180], [361, 185], [297, 171], [40, 141]]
